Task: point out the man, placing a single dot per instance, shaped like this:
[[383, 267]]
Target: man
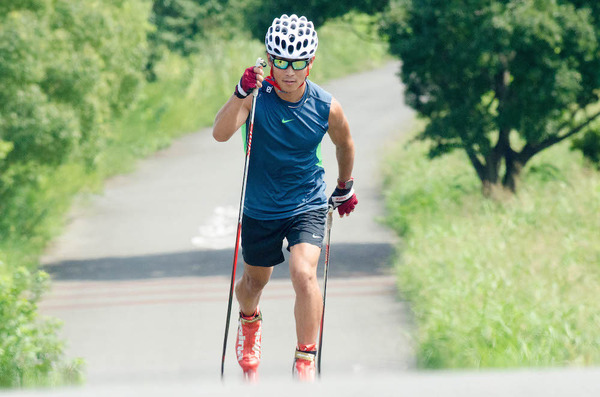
[[285, 191]]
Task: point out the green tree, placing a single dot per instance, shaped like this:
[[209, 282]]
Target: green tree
[[259, 14], [66, 69], [589, 142], [180, 25], [501, 80]]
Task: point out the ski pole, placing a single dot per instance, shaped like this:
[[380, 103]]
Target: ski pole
[[325, 270], [259, 62]]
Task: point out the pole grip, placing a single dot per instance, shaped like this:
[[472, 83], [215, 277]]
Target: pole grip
[[259, 63]]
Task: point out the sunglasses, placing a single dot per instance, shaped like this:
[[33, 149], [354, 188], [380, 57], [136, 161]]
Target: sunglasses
[[296, 65]]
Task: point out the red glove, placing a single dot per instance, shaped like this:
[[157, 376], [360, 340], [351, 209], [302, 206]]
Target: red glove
[[344, 198], [247, 83]]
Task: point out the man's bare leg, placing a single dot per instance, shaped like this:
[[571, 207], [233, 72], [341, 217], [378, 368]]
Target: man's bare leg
[[304, 259], [250, 287]]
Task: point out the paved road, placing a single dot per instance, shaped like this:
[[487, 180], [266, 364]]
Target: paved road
[[141, 282], [141, 273]]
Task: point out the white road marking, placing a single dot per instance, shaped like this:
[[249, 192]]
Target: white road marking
[[219, 231]]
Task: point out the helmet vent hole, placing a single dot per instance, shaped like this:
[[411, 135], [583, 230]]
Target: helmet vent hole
[[277, 40], [292, 38]]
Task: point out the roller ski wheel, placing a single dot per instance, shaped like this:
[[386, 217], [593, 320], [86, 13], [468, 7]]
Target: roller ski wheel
[[251, 375]]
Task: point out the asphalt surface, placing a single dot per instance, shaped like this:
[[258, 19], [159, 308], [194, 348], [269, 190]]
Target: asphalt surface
[[141, 273], [141, 279]]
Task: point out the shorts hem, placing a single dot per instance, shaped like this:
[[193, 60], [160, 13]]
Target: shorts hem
[[316, 244]]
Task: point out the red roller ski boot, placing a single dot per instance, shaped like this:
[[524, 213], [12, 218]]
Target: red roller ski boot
[[248, 344], [304, 363]]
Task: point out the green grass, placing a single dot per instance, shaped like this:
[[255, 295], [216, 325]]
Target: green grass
[[506, 283]]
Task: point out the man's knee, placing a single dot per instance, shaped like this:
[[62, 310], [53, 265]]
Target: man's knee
[[304, 279], [255, 278]]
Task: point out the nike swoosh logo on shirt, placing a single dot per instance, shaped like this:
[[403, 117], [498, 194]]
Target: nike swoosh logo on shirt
[[286, 121]]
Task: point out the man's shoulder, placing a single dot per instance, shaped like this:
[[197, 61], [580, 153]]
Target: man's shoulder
[[318, 92]]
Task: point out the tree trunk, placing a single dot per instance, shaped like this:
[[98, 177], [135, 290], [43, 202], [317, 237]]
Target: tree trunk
[[512, 174], [495, 191]]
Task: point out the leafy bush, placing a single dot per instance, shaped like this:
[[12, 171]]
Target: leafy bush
[[30, 352]]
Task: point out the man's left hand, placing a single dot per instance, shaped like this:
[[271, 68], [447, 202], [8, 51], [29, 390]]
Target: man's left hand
[[344, 198]]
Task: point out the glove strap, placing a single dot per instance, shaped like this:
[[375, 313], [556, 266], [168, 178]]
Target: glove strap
[[345, 185], [239, 91], [342, 198]]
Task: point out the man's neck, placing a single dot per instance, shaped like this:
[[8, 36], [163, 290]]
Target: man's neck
[[293, 96]]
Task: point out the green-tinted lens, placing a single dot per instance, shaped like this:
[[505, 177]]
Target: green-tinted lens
[[280, 63], [299, 65]]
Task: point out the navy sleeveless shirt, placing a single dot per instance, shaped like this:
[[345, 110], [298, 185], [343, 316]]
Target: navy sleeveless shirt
[[285, 174]]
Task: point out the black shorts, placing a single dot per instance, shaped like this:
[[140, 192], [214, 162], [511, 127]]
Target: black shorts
[[262, 241]]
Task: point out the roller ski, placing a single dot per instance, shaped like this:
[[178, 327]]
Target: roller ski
[[248, 343], [304, 364]]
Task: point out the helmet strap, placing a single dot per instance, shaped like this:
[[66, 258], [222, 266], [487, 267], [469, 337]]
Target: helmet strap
[[272, 81]]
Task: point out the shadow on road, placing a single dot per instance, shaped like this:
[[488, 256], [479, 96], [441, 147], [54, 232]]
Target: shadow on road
[[346, 260]]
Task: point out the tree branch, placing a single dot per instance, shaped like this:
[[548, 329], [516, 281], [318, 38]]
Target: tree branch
[[479, 167], [530, 150]]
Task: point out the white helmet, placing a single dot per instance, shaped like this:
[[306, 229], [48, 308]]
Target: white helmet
[[292, 38]]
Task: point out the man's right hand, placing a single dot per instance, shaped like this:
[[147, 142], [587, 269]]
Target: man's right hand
[[251, 79]]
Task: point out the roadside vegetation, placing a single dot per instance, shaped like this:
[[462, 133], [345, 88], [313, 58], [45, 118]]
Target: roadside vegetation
[[88, 89], [511, 282], [497, 194]]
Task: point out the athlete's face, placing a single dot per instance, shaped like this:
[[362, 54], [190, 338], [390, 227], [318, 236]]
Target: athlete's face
[[289, 79]]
